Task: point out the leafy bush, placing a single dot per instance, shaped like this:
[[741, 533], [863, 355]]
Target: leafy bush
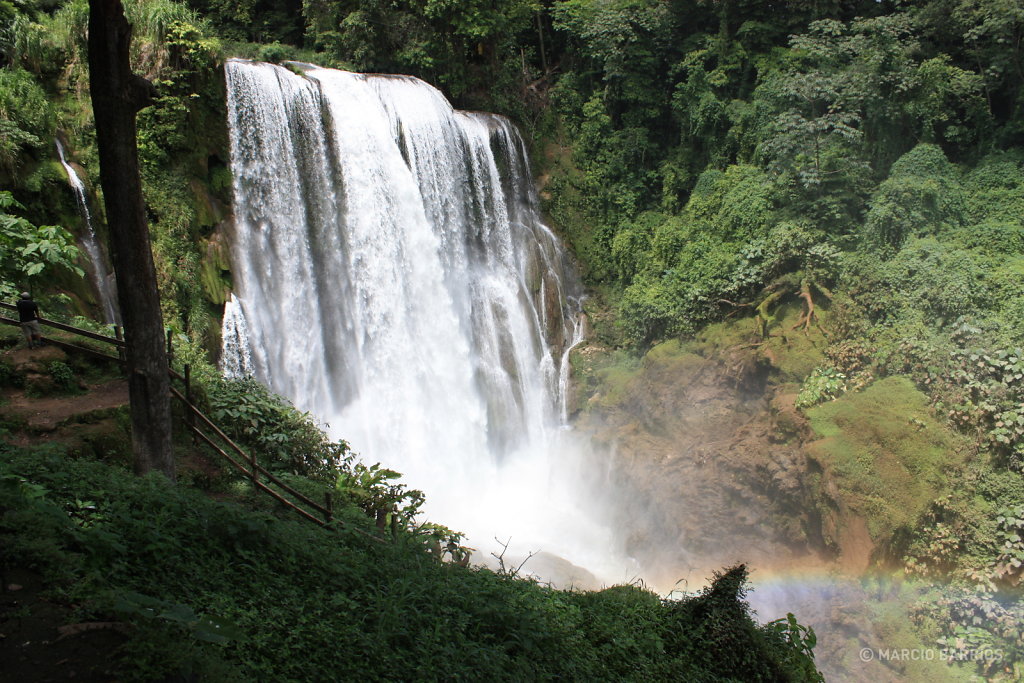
[[995, 189], [927, 279], [985, 391], [991, 237], [824, 384], [723, 246], [28, 252], [274, 53], [972, 543], [10, 378], [631, 244], [218, 591], [1008, 568], [922, 196], [63, 376], [284, 438], [26, 118], [710, 630]]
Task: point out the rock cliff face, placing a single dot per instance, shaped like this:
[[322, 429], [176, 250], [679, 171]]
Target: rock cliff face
[[715, 465], [713, 458]]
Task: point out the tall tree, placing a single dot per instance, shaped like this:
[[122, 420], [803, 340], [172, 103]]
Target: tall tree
[[117, 96]]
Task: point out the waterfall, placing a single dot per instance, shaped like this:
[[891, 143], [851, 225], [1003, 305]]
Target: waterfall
[[102, 277], [236, 359], [393, 276]]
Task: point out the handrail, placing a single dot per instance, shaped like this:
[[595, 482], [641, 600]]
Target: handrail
[[237, 449], [260, 485], [66, 345], [67, 328], [255, 468]]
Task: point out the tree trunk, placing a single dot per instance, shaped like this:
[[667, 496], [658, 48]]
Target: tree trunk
[[117, 96]]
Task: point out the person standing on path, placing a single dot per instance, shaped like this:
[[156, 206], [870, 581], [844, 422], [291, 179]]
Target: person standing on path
[[28, 314]]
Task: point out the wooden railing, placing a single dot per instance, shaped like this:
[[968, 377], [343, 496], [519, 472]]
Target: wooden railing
[[219, 442]]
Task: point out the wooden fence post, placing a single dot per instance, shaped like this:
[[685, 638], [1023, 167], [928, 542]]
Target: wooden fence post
[[329, 505], [120, 337], [190, 419]]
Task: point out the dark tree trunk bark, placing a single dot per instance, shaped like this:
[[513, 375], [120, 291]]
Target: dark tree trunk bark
[[117, 96]]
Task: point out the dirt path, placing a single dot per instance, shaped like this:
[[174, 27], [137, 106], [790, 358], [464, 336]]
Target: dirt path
[[46, 414]]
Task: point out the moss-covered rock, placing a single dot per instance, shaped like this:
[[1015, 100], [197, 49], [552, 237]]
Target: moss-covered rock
[[886, 454], [215, 269]]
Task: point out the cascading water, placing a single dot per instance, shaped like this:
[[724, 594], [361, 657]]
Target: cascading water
[[101, 276], [393, 276]]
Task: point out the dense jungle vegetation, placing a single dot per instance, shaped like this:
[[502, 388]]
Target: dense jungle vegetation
[[860, 162]]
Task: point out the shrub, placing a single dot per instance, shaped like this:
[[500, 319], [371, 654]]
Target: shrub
[[63, 376], [922, 196], [26, 117], [824, 384], [285, 438], [275, 53]]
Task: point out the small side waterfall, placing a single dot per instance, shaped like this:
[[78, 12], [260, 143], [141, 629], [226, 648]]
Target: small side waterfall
[[393, 276], [236, 358], [102, 277]]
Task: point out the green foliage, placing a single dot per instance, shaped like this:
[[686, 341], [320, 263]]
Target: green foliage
[[995, 189], [926, 279], [736, 204], [274, 53], [983, 392], [63, 376], [261, 21], [29, 44], [26, 118], [724, 247], [214, 590], [28, 252], [886, 452], [1009, 566], [712, 618], [711, 117], [187, 59], [922, 196], [861, 89], [973, 383], [284, 438], [465, 48], [176, 251], [632, 243], [156, 22], [824, 384], [985, 35], [973, 544], [10, 378], [181, 137], [393, 506], [800, 638]]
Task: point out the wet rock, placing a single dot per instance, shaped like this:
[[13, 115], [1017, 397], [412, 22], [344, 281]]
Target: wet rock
[[788, 422]]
